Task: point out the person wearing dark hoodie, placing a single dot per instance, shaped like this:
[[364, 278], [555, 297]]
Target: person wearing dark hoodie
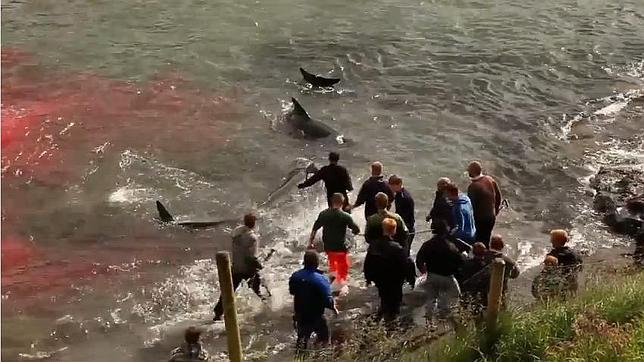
[[486, 200], [440, 260], [336, 179], [311, 296], [245, 266], [462, 215], [191, 350], [570, 263], [374, 223], [404, 206], [334, 223], [370, 188], [441, 208], [386, 265]]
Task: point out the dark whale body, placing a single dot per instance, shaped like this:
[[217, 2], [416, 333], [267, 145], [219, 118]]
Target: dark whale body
[[317, 81]]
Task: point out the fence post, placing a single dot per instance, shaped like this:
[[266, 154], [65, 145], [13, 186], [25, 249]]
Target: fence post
[[495, 294], [230, 312]]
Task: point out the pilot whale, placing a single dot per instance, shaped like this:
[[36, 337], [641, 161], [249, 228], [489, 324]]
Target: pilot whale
[[301, 166], [318, 81], [303, 125]]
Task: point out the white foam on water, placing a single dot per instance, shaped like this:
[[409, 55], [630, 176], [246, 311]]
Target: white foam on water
[[130, 194], [612, 109]]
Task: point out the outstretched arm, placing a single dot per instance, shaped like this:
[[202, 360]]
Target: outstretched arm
[[312, 180], [361, 197]]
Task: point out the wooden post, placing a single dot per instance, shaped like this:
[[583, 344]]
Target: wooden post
[[495, 293], [230, 312]]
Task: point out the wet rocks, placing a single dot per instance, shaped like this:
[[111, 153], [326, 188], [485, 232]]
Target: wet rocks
[[620, 198]]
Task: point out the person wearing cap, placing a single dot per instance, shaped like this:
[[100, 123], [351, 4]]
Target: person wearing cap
[[246, 266], [404, 204], [386, 265], [486, 200], [336, 179], [311, 296], [334, 223], [373, 230], [570, 263], [369, 189], [191, 350]]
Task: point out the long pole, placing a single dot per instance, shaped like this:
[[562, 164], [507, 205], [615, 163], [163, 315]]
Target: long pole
[[495, 294], [230, 312]]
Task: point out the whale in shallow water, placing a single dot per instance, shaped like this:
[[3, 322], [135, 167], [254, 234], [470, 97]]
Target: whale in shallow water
[[318, 81], [301, 166], [167, 218], [304, 126]]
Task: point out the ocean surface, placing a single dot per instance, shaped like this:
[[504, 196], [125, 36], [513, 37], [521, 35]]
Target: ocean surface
[[108, 106]]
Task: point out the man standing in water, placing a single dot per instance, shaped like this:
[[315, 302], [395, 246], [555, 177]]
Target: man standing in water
[[335, 222], [404, 206], [245, 263], [336, 179], [369, 189], [386, 266], [486, 199], [374, 230], [312, 294]]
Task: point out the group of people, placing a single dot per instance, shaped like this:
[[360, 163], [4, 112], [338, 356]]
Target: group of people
[[461, 223]]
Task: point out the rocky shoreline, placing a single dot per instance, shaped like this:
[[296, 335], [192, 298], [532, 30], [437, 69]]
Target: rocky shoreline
[[619, 198]]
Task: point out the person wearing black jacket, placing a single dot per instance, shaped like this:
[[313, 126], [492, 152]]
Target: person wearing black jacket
[[336, 179], [369, 189], [386, 265], [440, 260], [404, 206], [441, 209], [570, 263]]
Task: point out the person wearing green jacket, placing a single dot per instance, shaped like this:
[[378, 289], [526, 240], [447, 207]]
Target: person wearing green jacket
[[334, 223]]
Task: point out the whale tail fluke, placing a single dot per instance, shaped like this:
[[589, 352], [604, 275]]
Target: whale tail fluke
[[317, 81], [164, 215]]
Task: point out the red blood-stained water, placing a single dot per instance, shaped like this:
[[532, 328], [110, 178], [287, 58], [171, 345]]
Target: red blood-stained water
[[54, 122]]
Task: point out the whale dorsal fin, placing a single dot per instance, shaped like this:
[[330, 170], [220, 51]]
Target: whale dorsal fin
[[164, 215], [297, 109]]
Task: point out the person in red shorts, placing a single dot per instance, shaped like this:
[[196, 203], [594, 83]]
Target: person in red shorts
[[334, 223]]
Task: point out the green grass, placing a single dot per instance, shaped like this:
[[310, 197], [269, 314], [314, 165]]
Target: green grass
[[605, 322]]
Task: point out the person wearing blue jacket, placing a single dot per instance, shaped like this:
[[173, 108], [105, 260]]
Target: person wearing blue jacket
[[463, 215], [312, 295]]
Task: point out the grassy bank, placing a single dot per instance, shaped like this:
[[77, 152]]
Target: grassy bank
[[605, 322]]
